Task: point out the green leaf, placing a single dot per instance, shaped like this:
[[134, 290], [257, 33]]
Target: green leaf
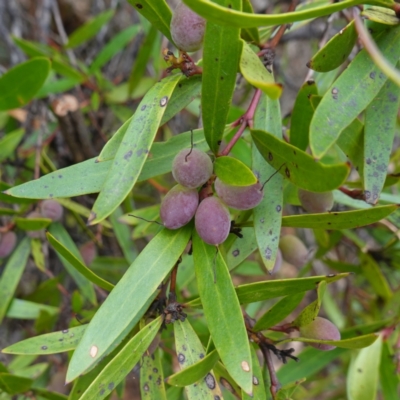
[[363, 373], [157, 12], [381, 15], [351, 93], [258, 379], [372, 271], [358, 342], [129, 300], [194, 372], [37, 254], [301, 115], [254, 71], [379, 132], [116, 44], [310, 312], [336, 51], [228, 17], [222, 47], [233, 172], [60, 233], [267, 215], [134, 149], [49, 343], [241, 248], [43, 393], [12, 384], [226, 324], [340, 220], [32, 224], [9, 142], [122, 363], [297, 166], [152, 378], [78, 264], [23, 309], [189, 351], [83, 178], [12, 274], [250, 34], [285, 392], [89, 29], [20, 84], [265, 290], [388, 377], [278, 312]]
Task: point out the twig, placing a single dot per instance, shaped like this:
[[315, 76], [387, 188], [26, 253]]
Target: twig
[[275, 385]]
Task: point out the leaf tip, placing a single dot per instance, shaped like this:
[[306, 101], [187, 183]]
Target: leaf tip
[[92, 219]]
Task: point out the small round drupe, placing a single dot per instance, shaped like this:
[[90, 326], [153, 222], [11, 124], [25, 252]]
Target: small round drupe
[[187, 28], [88, 252], [212, 221], [192, 168], [51, 209], [178, 206], [321, 329], [8, 240], [293, 250], [316, 202], [239, 197]]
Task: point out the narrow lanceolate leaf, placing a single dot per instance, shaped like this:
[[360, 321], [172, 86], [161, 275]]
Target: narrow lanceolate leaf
[[387, 371], [336, 51], [12, 274], [84, 284], [358, 342], [134, 149], [152, 378], [228, 17], [340, 220], [351, 93], [129, 300], [379, 131], [32, 224], [122, 363], [279, 311], [268, 214], [297, 166], [226, 324], [250, 34], [254, 71], [190, 352], [50, 343], [222, 47], [13, 385], [195, 372], [157, 12], [78, 264], [381, 15], [23, 309], [301, 115], [363, 375], [20, 84], [233, 172], [9, 142], [89, 29], [241, 248]]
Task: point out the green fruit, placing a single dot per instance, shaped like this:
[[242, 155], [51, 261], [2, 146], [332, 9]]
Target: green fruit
[[321, 329], [316, 202], [293, 250]]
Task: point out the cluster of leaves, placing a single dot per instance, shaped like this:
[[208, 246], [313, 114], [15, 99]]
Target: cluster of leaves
[[342, 129]]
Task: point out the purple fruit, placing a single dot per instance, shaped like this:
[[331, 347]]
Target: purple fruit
[[239, 197], [321, 329], [178, 206], [212, 221], [293, 250], [8, 240], [88, 252], [316, 202], [187, 28], [192, 168], [51, 209]]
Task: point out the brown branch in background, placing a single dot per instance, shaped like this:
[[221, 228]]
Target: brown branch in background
[[73, 127], [275, 385]]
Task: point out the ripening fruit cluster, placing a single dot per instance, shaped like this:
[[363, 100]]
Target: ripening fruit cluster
[[187, 28], [192, 168], [321, 329]]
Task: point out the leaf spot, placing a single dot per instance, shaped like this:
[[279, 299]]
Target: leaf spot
[[164, 101], [181, 358], [245, 366], [255, 381], [146, 387], [93, 351], [210, 381], [44, 347], [65, 331], [236, 252]]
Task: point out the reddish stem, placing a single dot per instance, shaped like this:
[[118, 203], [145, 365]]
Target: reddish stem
[[244, 121]]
